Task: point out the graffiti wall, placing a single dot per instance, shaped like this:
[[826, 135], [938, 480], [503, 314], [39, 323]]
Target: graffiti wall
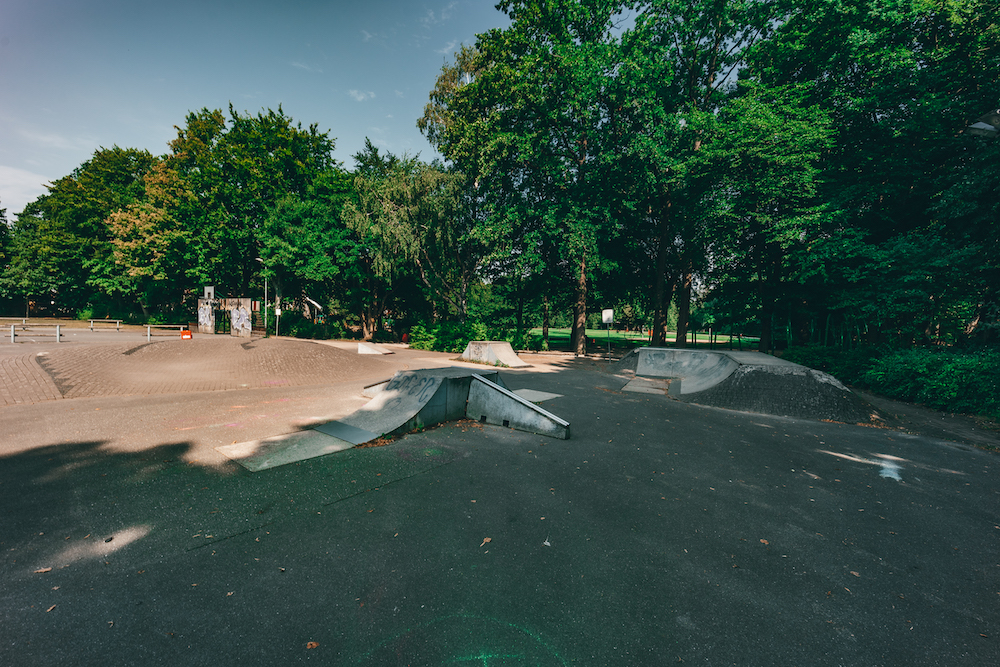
[[240, 316], [236, 312], [206, 315]]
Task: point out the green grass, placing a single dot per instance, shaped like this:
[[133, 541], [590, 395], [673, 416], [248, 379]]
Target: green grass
[[561, 338]]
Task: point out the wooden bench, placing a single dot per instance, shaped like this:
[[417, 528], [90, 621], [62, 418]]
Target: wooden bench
[[117, 323]]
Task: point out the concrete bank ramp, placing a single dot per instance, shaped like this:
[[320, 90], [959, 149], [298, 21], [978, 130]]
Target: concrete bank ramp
[[372, 348], [408, 401], [696, 369], [493, 352], [748, 381]]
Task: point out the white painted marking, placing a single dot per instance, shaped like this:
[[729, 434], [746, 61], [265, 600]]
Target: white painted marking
[[890, 470]]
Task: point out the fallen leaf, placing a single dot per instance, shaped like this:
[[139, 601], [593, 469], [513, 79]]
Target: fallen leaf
[[43, 570], [486, 540], [312, 645], [855, 573], [764, 542], [50, 609], [230, 593]]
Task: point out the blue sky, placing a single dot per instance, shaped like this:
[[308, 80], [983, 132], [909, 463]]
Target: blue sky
[[76, 75]]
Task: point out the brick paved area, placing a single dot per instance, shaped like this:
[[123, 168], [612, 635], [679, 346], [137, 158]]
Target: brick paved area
[[173, 366], [22, 380]]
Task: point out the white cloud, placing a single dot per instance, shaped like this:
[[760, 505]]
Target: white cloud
[[447, 48], [307, 67], [367, 36], [57, 140], [361, 95], [18, 187], [432, 18], [399, 93]]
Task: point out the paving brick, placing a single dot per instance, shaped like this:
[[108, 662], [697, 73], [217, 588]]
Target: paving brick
[[207, 363]]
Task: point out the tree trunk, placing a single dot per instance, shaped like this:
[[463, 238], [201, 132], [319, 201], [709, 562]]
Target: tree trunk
[[662, 293], [766, 322], [545, 322], [683, 310], [580, 319]]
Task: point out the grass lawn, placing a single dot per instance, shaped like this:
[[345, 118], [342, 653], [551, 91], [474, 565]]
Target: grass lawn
[[560, 338]]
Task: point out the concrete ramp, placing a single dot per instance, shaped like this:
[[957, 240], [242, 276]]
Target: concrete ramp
[[372, 348], [750, 381], [489, 403], [493, 352], [413, 399], [697, 370], [407, 401]]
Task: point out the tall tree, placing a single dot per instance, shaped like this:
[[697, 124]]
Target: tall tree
[[307, 249], [529, 128], [239, 168], [680, 63], [764, 169], [154, 249], [63, 235], [901, 80]]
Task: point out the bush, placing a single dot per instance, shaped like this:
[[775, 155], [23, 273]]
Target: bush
[[967, 382], [848, 366], [944, 380], [447, 336]]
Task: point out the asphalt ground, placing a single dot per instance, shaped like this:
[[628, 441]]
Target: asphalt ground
[[662, 532]]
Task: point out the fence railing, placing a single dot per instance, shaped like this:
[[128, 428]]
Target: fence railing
[[32, 327], [167, 327]]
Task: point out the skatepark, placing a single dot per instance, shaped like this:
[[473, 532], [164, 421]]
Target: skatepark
[[204, 502]]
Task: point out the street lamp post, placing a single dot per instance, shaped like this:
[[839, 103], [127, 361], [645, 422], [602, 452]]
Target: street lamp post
[[264, 302]]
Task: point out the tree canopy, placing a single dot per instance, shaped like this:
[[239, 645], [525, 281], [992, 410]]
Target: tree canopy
[[800, 172]]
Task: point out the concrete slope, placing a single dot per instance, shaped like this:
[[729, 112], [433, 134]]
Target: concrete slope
[[749, 381], [409, 400], [489, 403], [493, 352], [414, 399], [789, 390], [698, 370]]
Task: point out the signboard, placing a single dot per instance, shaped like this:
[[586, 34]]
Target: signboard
[[608, 316]]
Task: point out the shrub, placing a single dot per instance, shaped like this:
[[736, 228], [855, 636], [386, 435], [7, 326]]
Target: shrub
[[447, 336], [944, 380], [967, 382]]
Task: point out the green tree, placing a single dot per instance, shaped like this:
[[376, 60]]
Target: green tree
[[154, 249], [421, 214], [239, 168], [763, 165], [679, 64], [307, 250], [900, 80], [61, 242], [529, 129]]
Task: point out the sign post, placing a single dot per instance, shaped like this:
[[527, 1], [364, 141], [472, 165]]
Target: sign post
[[608, 317]]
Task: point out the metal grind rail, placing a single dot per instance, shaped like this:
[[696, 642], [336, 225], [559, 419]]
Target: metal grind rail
[[168, 327], [14, 335]]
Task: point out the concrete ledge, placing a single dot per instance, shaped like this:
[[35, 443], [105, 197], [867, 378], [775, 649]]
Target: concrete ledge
[[492, 404], [493, 352]]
